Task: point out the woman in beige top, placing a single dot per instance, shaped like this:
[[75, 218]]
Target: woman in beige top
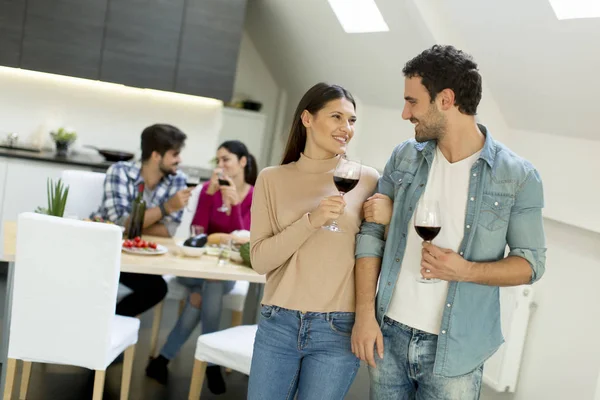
[[303, 341]]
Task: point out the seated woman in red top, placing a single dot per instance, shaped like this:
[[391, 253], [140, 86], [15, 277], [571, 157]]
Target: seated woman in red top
[[223, 207]]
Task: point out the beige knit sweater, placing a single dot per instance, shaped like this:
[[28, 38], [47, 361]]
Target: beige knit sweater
[[307, 269]]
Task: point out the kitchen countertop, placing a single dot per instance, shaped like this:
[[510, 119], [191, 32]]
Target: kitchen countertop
[[82, 160], [93, 161]]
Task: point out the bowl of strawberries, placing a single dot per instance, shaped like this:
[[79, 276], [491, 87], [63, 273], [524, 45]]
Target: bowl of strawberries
[[140, 246]]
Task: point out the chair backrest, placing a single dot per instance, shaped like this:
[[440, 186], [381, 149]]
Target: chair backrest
[[86, 189], [65, 289], [183, 231]]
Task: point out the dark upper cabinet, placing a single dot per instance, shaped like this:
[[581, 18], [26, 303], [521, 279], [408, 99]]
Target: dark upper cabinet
[[12, 17], [186, 46], [64, 36], [212, 32], [142, 41]]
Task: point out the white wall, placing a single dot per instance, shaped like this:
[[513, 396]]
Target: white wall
[[104, 114], [254, 81], [569, 168], [378, 131], [562, 356]]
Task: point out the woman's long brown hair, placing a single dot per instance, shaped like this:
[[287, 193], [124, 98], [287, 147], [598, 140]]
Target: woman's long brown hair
[[313, 100]]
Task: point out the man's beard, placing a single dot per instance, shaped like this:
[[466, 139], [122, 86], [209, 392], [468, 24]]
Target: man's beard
[[167, 171], [431, 127]]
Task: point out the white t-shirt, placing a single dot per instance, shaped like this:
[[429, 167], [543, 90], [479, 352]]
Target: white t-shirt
[[421, 305]]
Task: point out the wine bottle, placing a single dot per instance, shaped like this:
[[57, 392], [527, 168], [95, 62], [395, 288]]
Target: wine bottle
[[138, 212]]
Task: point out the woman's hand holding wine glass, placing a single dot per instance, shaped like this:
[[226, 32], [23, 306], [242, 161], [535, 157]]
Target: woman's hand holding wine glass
[[329, 209], [345, 178], [224, 182], [213, 185]]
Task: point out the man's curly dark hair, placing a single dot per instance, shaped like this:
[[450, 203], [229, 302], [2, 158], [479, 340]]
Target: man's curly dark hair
[[446, 67]]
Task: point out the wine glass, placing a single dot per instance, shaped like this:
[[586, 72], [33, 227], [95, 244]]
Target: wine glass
[[428, 224], [191, 183], [345, 178], [223, 182]]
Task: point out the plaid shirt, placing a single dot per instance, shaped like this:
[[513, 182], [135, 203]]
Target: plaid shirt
[[121, 188]]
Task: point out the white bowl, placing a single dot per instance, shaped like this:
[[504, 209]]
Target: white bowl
[[191, 251]]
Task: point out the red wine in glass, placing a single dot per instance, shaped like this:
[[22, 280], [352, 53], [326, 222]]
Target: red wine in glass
[[344, 185], [345, 178], [223, 182], [428, 224], [428, 233]]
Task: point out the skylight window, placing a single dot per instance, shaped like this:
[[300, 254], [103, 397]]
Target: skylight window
[[574, 9], [359, 16]]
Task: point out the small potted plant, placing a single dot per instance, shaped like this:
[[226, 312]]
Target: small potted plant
[[63, 139], [57, 198]]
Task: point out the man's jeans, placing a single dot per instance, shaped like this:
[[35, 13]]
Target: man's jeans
[[406, 371]]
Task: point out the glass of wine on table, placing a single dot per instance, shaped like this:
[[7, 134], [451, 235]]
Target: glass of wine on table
[[428, 225], [345, 178]]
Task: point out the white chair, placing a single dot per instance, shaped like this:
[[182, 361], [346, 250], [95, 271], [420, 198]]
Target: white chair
[[231, 348], [86, 190], [64, 298]]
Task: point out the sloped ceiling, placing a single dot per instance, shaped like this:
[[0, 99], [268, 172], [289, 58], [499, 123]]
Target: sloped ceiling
[[543, 73]]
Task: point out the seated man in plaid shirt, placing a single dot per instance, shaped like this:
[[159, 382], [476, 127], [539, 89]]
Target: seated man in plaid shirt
[[165, 193]]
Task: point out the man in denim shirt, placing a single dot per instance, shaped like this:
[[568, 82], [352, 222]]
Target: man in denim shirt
[[432, 339]]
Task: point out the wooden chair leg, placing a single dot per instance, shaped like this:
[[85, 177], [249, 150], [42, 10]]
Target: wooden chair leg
[[158, 309], [25, 375], [197, 379], [127, 368], [99, 385], [236, 320], [181, 306], [11, 367]]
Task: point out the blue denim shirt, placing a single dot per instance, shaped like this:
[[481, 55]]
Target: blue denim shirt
[[504, 208]]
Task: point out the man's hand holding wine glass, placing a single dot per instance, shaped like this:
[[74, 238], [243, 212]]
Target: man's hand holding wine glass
[[444, 264], [178, 200], [329, 209]]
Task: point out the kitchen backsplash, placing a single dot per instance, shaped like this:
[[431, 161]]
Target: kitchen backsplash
[[103, 114]]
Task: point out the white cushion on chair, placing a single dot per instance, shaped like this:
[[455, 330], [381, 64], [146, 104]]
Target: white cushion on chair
[[124, 334], [236, 299], [65, 291], [230, 348]]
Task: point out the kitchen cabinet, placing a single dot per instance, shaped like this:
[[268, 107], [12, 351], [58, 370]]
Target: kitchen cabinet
[[12, 16], [212, 32], [142, 42], [64, 37], [186, 46]]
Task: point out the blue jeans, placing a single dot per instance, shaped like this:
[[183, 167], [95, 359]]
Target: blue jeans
[[209, 313], [308, 353], [406, 371]]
